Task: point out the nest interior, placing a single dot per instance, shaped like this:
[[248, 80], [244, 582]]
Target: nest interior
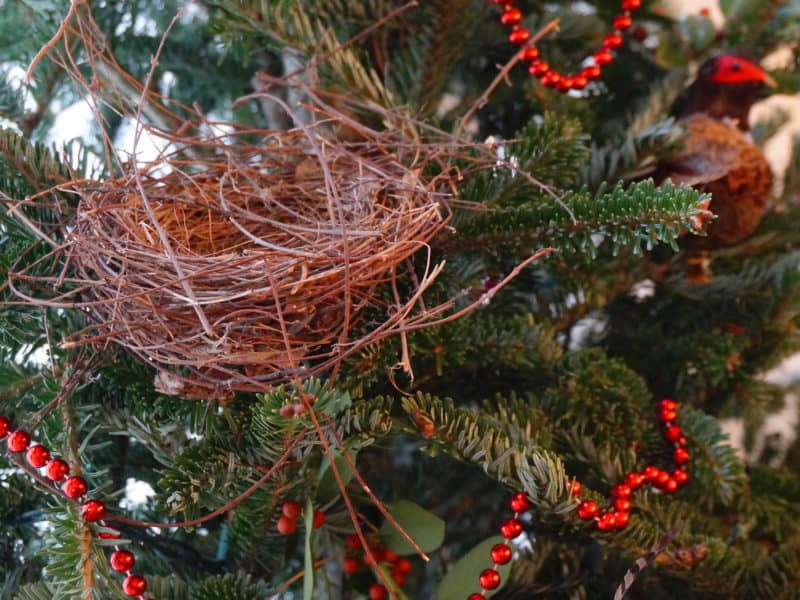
[[238, 270]]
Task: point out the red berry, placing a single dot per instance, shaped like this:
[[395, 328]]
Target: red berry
[[350, 565], [500, 554], [623, 519], [398, 577], [634, 480], [673, 433], [511, 529], [489, 579], [621, 491], [5, 426], [661, 479], [352, 542], [476, 597], [530, 53], [576, 488], [650, 473], [106, 535], [93, 510], [390, 557], [291, 509], [287, 410], [319, 519], [603, 57], [539, 68], [74, 487], [286, 526], [680, 476], [622, 22], [622, 504], [56, 469], [591, 72], [134, 585], [122, 560], [511, 16], [519, 36], [607, 522], [668, 404], [667, 416], [520, 502], [377, 592], [612, 41], [18, 440], [404, 566], [579, 82], [670, 486], [38, 456], [631, 4], [681, 455], [588, 510]]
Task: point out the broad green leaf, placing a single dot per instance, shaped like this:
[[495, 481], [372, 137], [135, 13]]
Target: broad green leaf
[[461, 579], [425, 528]]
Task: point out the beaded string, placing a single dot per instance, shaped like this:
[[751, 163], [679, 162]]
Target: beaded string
[[618, 514], [56, 471], [519, 36]]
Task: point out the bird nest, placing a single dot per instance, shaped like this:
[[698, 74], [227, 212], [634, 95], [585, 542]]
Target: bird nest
[[236, 271]]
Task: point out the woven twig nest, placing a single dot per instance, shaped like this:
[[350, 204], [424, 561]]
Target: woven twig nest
[[239, 271]]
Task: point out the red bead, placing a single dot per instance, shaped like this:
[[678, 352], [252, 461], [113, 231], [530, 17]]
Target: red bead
[[93, 510], [550, 79], [650, 473], [500, 554], [670, 486], [5, 427], [74, 487], [476, 597], [350, 565], [404, 565], [579, 82], [539, 68], [291, 509], [621, 491], [681, 455], [319, 519], [612, 41], [680, 475], [38, 456], [622, 504], [623, 519], [530, 53], [668, 404], [673, 433], [134, 585], [519, 36], [667, 416], [286, 526], [631, 4], [564, 84], [56, 469], [489, 579], [511, 529], [661, 479], [512, 16], [122, 560], [622, 22], [603, 57], [682, 440], [634, 480], [607, 522], [520, 502], [377, 592], [18, 440], [588, 510], [576, 488], [591, 72]]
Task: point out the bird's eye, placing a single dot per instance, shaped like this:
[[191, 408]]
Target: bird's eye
[[736, 66]]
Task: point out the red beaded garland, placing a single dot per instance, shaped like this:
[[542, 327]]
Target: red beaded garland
[[622, 519], [622, 504], [489, 579], [511, 16], [74, 487], [18, 440], [122, 560], [5, 427], [680, 476], [673, 433], [588, 510], [519, 36], [134, 585], [634, 480], [670, 486], [500, 554], [56, 469], [576, 488], [93, 510], [37, 456], [621, 491], [511, 529], [681, 455], [622, 22], [631, 4], [607, 522], [520, 502], [530, 53]]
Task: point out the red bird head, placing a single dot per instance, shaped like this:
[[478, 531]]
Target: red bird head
[[726, 87]]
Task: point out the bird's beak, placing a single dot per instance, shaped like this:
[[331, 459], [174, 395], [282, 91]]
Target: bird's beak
[[769, 81]]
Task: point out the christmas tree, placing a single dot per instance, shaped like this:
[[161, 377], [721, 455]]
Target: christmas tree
[[440, 299]]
